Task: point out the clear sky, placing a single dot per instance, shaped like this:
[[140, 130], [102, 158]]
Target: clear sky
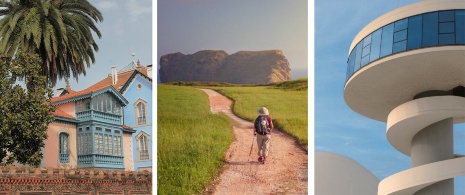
[[188, 26], [338, 129], [126, 29]]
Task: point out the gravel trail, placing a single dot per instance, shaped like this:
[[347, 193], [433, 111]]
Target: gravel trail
[[285, 172]]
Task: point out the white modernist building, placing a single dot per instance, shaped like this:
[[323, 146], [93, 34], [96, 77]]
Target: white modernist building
[[407, 68], [336, 174]]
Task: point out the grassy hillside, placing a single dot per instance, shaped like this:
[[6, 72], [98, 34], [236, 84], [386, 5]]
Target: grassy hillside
[[287, 103], [191, 140]]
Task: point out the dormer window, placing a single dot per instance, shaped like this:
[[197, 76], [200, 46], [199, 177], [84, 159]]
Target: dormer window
[[105, 103]]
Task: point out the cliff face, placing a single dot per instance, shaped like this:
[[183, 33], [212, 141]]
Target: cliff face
[[244, 67]]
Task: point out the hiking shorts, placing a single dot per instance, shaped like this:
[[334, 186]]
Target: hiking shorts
[[263, 143]]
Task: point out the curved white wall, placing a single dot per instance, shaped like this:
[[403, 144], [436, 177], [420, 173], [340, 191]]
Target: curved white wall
[[336, 174]]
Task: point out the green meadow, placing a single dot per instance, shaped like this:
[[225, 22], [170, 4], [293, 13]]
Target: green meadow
[[192, 141], [287, 103]]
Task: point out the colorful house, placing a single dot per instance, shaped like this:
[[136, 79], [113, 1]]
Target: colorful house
[[88, 130], [107, 125]]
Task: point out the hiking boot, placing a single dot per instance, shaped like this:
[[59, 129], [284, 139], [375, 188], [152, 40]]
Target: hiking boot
[[260, 159], [263, 159]]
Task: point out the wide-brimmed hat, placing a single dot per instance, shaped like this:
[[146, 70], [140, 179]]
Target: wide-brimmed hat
[[263, 110]]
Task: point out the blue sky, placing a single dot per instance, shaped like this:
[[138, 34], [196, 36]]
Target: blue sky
[[337, 128], [126, 28], [188, 26]]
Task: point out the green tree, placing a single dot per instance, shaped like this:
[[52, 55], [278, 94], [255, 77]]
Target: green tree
[[24, 113], [59, 31]]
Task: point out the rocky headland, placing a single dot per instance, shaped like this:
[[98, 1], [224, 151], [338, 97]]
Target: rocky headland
[[243, 67]]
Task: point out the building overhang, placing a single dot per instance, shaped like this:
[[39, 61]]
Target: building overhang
[[405, 12], [379, 87]]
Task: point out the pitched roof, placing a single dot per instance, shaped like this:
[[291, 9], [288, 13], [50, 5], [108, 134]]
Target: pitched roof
[[63, 114], [123, 77]]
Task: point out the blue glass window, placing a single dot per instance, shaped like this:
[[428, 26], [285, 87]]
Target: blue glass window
[[447, 38], [446, 27], [446, 16], [401, 24], [366, 40], [386, 40], [375, 45], [366, 51], [460, 26], [400, 35], [430, 29], [350, 67], [365, 60], [358, 56], [414, 32], [424, 30], [399, 46]]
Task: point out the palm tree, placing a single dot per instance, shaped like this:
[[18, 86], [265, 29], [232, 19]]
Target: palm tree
[[60, 31]]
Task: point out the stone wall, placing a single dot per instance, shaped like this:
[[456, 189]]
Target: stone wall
[[41, 181]]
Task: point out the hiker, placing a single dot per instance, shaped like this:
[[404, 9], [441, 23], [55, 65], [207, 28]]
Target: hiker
[[263, 126]]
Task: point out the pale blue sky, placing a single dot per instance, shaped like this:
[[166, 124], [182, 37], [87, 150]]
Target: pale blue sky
[[126, 28], [188, 26], [337, 128]]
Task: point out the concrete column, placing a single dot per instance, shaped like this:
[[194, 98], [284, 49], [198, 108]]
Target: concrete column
[[434, 143]]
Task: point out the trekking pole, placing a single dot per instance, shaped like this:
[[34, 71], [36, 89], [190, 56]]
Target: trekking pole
[[253, 140]]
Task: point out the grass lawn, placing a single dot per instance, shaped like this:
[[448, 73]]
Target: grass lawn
[[287, 103], [191, 140]]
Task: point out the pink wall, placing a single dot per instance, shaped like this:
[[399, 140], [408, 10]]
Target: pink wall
[[51, 151], [69, 108], [128, 159]]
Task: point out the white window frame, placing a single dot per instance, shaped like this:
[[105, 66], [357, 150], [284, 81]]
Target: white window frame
[[147, 146], [138, 115]]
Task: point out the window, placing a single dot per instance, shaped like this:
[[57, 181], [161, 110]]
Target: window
[[141, 112], [460, 26], [414, 32], [143, 145], [117, 144], [430, 29], [375, 45], [445, 27], [64, 148], [108, 145], [387, 37]]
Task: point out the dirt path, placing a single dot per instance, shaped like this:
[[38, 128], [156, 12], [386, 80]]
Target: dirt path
[[285, 172]]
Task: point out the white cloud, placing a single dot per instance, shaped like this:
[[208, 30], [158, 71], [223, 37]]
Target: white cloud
[[106, 5], [137, 8]]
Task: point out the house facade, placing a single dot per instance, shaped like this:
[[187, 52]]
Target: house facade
[[88, 131], [106, 126], [137, 89]]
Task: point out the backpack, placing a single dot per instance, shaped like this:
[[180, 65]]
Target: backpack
[[261, 125]]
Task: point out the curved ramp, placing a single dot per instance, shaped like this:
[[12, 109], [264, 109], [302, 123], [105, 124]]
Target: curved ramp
[[403, 123]]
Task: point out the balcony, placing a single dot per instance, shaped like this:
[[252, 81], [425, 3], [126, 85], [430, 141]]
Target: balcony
[[101, 161], [64, 158], [94, 115]]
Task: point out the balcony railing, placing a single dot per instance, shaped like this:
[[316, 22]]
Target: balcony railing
[[64, 158], [98, 116], [101, 161]]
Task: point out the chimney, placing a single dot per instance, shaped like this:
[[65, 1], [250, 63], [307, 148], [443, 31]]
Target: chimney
[[149, 71], [114, 75], [68, 88], [59, 91]]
